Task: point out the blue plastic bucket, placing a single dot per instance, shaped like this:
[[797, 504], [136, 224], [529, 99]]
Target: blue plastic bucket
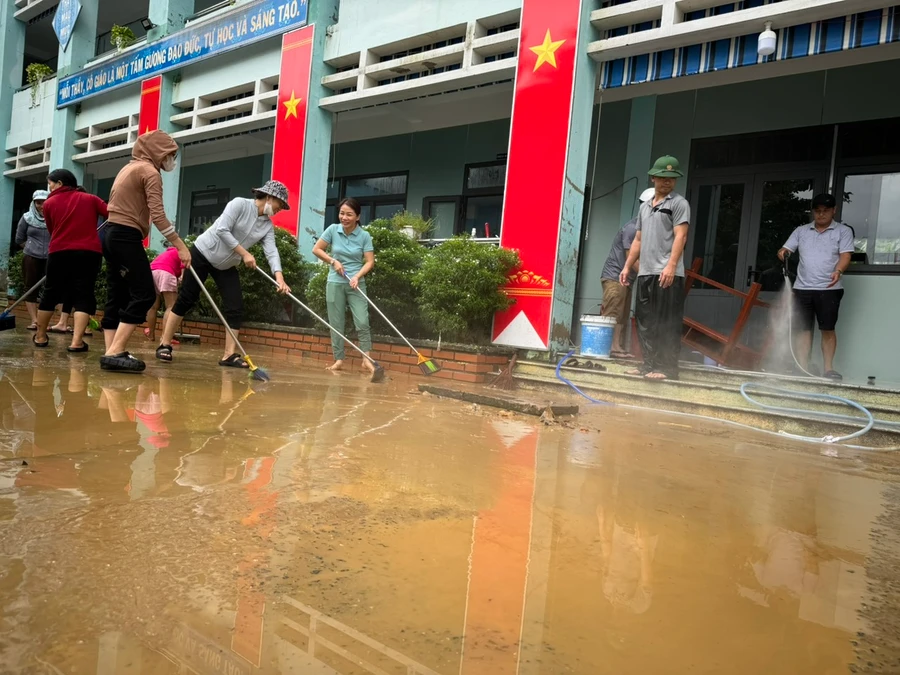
[[597, 335]]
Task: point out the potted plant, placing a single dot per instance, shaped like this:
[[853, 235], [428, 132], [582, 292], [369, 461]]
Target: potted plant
[[36, 73], [412, 225], [122, 37]]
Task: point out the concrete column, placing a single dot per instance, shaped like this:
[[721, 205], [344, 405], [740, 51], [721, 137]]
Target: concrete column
[[314, 186], [169, 16], [638, 156], [71, 60], [12, 50], [573, 191]]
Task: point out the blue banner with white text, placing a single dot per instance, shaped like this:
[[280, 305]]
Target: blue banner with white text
[[247, 24]]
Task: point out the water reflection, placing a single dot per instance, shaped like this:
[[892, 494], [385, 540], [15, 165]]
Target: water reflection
[[196, 524]]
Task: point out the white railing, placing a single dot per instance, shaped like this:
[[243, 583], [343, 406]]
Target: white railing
[[438, 62], [28, 9], [31, 125], [671, 30]]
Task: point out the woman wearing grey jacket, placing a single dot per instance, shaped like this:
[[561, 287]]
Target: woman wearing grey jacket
[[32, 235], [217, 253]]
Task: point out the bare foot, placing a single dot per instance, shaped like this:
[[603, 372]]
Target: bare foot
[[655, 375], [336, 366]]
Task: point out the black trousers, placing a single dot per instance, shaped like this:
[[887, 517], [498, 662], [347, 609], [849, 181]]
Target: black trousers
[[130, 289], [659, 313], [227, 281], [71, 277], [32, 271]]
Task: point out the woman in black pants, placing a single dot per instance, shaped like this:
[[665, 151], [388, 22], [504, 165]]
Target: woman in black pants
[[74, 256]]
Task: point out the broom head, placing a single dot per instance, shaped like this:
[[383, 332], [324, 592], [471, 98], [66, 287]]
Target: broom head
[[256, 372], [427, 366], [7, 321]]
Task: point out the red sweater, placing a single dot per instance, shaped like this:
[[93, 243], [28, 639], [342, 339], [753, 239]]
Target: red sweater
[[72, 218]]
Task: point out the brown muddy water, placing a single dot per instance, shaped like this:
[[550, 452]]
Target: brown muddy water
[[186, 521]]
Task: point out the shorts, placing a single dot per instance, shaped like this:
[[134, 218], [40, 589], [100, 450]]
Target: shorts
[[616, 301], [821, 305], [165, 282]]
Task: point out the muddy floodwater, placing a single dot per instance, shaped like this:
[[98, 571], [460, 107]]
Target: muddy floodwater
[[189, 521]]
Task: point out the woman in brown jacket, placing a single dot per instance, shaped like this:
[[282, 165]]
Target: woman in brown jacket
[[134, 201]]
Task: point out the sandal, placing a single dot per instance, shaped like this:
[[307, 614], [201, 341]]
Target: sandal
[[57, 331], [640, 372], [621, 355], [834, 375], [32, 327], [78, 350], [234, 361], [122, 363], [164, 353], [40, 345]]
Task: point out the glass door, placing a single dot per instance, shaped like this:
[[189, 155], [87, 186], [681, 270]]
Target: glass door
[[719, 236], [781, 203]]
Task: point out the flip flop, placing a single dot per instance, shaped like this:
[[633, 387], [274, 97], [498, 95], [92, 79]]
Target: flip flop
[[122, 363], [640, 372], [78, 350], [164, 353], [621, 355], [32, 327], [57, 331], [834, 375], [40, 345], [234, 361]]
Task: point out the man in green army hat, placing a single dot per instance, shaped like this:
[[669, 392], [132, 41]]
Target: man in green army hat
[[659, 245]]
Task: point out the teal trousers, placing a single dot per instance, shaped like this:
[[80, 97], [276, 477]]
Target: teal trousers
[[338, 296]]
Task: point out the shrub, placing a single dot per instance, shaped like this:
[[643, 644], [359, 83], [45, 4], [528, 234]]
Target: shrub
[[14, 277], [460, 285]]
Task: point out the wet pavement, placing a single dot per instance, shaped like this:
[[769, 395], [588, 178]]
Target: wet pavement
[[189, 521]]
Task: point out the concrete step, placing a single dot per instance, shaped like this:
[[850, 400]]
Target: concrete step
[[705, 385], [720, 397]]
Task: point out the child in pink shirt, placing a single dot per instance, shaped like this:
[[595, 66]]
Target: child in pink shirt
[[167, 270]]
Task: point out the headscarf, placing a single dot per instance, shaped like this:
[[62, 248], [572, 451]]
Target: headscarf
[[33, 218]]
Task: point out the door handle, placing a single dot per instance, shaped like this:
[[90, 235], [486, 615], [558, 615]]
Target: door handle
[[752, 275]]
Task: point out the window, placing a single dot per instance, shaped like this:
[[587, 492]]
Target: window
[[444, 211], [206, 206], [872, 207], [379, 196], [483, 199]]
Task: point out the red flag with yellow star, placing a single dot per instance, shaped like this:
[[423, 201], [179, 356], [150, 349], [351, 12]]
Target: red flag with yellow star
[[290, 120], [148, 118], [536, 168]]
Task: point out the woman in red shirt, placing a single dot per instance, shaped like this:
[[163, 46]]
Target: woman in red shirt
[[74, 256]]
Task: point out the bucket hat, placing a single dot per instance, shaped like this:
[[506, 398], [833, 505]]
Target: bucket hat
[[276, 189], [666, 167]]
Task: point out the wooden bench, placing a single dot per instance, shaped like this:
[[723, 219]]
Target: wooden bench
[[724, 349]]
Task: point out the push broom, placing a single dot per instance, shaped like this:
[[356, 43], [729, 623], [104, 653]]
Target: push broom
[[426, 365], [7, 320], [377, 375], [256, 372]]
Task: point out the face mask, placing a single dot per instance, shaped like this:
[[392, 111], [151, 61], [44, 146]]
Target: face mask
[[168, 164], [268, 210]]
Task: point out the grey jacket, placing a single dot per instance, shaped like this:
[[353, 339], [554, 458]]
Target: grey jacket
[[36, 239], [239, 224]]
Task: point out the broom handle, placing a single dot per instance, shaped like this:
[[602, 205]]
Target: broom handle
[[216, 310], [336, 332], [375, 307], [25, 295]]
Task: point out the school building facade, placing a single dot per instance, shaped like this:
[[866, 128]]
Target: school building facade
[[523, 124]]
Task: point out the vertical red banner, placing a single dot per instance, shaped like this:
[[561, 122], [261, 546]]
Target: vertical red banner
[[536, 169], [290, 120], [148, 118]]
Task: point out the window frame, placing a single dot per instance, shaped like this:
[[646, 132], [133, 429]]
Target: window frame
[[468, 192], [863, 169], [368, 202]]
